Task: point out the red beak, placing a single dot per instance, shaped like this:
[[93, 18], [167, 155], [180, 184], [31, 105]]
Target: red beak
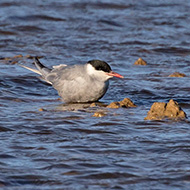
[[113, 74]]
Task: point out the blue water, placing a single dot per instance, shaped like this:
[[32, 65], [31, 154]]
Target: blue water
[[46, 144]]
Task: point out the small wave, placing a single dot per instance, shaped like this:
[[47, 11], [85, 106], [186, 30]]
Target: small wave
[[172, 50], [35, 17]]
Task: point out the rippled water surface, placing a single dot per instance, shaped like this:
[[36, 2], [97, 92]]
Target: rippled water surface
[[44, 145]]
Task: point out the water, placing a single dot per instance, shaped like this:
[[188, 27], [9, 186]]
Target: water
[[69, 149]]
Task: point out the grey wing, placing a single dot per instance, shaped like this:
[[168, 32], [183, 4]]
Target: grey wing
[[63, 73]]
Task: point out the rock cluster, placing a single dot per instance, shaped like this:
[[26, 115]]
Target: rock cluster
[[161, 110], [125, 103]]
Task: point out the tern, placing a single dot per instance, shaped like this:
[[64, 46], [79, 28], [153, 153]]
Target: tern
[[77, 83]]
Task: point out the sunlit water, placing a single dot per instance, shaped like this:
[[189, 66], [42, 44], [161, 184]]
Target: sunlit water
[[45, 146]]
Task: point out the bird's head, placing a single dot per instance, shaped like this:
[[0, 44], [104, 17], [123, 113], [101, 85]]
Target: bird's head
[[100, 69]]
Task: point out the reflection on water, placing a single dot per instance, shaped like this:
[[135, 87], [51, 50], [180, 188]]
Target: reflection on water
[[46, 144]]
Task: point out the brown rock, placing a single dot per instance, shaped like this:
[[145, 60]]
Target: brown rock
[[18, 56], [173, 110], [93, 105], [126, 102], [99, 114], [15, 59], [156, 111], [32, 57], [140, 61], [177, 74], [161, 110], [114, 105], [97, 104]]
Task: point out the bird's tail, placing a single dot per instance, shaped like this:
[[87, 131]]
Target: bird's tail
[[42, 70]]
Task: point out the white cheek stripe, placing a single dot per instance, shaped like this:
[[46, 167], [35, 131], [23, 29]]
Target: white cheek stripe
[[90, 69], [99, 75]]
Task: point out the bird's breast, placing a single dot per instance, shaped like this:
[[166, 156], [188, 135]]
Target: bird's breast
[[81, 90]]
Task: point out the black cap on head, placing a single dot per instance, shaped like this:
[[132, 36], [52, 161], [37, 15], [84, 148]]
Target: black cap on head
[[100, 65]]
